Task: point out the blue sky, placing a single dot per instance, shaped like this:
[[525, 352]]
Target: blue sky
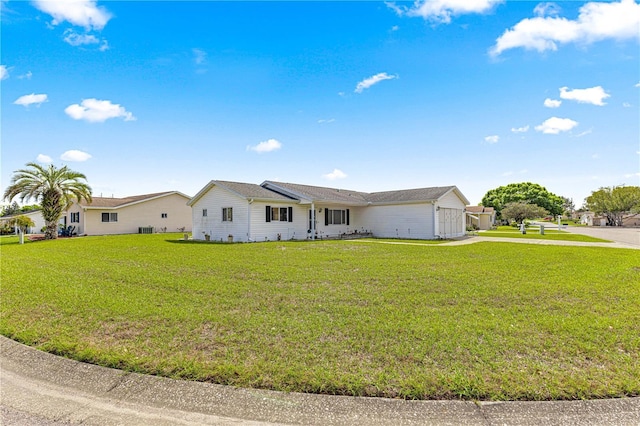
[[155, 96]]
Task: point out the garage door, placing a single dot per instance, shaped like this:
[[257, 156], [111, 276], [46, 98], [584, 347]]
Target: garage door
[[450, 222]]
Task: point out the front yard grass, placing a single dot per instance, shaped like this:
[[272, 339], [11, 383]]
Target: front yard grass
[[483, 321], [534, 233]]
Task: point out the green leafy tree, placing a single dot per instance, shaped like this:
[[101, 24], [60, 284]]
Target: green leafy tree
[[525, 192], [520, 211], [21, 222], [54, 188], [11, 209], [614, 202]]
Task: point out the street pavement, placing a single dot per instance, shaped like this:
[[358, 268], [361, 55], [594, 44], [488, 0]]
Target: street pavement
[[41, 389]]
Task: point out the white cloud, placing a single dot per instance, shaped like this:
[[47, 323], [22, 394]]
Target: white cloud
[[552, 103], [97, 111], [4, 72], [522, 129], [595, 156], [441, 11], [75, 39], [31, 99], [596, 21], [83, 13], [330, 120], [586, 132], [546, 9], [592, 95], [75, 155], [335, 174], [199, 56], [26, 76], [266, 146], [44, 159], [492, 139], [555, 125], [374, 79], [627, 105], [637, 85]]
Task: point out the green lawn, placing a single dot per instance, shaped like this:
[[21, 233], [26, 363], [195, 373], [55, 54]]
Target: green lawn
[[482, 321], [533, 232]]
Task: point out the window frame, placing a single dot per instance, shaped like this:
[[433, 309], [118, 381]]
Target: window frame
[[282, 214], [227, 214], [111, 217], [330, 216]]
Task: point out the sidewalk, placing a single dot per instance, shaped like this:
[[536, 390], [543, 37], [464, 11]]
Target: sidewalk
[[38, 388]]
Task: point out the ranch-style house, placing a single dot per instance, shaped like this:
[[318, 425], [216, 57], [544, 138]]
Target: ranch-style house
[[245, 212]]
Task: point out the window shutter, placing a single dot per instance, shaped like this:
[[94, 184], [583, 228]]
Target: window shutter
[[326, 217], [268, 216], [347, 217], [290, 214]]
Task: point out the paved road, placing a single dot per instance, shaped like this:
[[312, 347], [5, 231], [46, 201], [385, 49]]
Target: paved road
[[630, 236]]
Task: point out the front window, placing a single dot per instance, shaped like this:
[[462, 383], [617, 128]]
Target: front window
[[163, 215], [109, 217], [337, 217], [227, 214], [75, 217], [204, 212], [279, 214]]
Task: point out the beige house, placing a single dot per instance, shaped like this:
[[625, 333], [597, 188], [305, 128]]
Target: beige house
[[149, 213], [480, 217]]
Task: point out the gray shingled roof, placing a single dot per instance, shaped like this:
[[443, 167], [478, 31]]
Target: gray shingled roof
[[345, 196], [409, 195], [250, 190], [319, 193]]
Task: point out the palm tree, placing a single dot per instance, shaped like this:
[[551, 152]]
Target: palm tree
[[54, 188]]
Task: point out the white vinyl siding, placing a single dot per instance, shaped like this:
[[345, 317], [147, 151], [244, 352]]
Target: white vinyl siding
[[208, 216], [412, 221]]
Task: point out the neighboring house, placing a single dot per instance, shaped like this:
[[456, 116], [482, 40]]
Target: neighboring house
[[631, 220], [480, 217], [587, 218], [224, 211], [34, 215], [159, 212]]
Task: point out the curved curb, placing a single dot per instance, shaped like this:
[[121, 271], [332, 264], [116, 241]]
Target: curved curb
[[56, 390]]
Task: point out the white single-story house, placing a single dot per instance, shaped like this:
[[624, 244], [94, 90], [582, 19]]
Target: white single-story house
[[149, 213], [225, 211], [480, 217], [34, 215]]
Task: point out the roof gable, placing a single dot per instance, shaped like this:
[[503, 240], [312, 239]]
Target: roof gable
[[243, 190]]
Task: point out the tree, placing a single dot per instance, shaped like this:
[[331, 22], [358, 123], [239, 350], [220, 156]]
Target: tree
[[526, 192], [614, 202], [10, 210], [21, 222], [568, 207], [54, 188], [519, 211]]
